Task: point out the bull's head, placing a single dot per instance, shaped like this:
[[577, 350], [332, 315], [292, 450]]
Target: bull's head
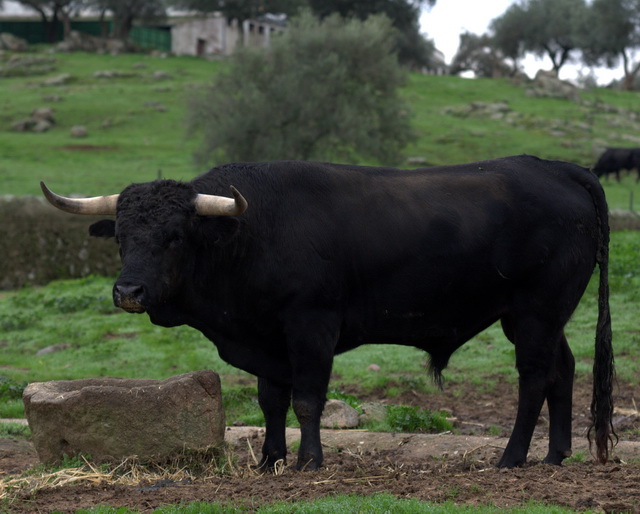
[[159, 226]]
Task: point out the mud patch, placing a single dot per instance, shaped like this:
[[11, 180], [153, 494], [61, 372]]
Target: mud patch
[[89, 148], [456, 467]]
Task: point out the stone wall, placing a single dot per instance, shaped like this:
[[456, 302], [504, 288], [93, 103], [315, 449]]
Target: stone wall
[[39, 243]]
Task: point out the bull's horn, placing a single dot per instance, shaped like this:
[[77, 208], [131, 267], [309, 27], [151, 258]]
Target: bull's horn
[[102, 205], [211, 205]]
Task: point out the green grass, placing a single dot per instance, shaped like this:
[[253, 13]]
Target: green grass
[[375, 504], [131, 141]]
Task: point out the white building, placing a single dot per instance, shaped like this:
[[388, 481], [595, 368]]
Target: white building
[[215, 35]]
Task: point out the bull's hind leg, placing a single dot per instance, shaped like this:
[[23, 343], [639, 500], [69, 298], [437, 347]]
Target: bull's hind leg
[[559, 401], [274, 399], [536, 346]]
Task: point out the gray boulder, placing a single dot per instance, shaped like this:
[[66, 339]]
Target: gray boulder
[[114, 418], [337, 414], [12, 43], [547, 84], [79, 131], [59, 80]]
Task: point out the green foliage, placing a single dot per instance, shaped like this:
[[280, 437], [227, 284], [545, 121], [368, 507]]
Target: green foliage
[[10, 390], [413, 49], [14, 430], [324, 90], [544, 27], [405, 418], [244, 9], [349, 399]]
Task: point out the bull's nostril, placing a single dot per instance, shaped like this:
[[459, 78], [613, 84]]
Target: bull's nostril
[[130, 291], [129, 297]]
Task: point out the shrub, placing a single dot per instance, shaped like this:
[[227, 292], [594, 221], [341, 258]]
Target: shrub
[[325, 90]]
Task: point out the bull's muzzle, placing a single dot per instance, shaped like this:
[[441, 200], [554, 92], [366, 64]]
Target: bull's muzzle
[[129, 297]]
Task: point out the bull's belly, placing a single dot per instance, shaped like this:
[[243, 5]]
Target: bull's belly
[[419, 329]]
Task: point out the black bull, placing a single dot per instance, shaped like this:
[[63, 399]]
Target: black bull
[[329, 257], [614, 160]]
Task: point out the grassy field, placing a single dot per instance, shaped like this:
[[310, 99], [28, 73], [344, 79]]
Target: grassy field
[[136, 127], [136, 124]]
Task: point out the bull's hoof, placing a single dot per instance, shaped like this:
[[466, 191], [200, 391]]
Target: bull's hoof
[[510, 463], [270, 465], [309, 465], [556, 458]]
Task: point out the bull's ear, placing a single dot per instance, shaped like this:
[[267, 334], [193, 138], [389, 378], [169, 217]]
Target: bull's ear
[[103, 228]]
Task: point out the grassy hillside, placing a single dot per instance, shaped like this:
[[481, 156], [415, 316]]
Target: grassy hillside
[[136, 123]]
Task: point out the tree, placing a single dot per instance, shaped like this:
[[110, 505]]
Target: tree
[[52, 11], [508, 31], [126, 12], [612, 31], [478, 54], [324, 90], [244, 9], [543, 27], [413, 49]]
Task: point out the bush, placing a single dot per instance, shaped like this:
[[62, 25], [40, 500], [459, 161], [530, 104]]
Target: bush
[[323, 91]]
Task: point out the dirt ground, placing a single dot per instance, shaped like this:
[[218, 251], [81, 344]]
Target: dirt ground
[[459, 467]]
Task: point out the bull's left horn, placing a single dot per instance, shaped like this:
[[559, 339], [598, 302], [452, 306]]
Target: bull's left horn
[[101, 205], [212, 205]]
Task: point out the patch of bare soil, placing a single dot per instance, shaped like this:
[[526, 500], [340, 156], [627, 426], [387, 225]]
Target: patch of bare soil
[[432, 467]]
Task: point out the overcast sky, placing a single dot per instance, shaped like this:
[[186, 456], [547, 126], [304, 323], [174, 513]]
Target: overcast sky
[[449, 18]]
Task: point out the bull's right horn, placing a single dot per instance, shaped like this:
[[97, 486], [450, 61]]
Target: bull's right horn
[[212, 205], [99, 205]]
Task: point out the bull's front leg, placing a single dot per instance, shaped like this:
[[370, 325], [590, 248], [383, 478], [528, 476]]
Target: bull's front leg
[[274, 399]]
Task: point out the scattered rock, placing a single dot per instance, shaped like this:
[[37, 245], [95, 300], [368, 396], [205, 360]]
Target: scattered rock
[[547, 84], [40, 120], [12, 43], [337, 414], [43, 113], [82, 42], [624, 220], [417, 161], [79, 131], [497, 110], [161, 75], [53, 348], [59, 80], [41, 126], [113, 74], [112, 418], [27, 65], [372, 412], [373, 367], [157, 106]]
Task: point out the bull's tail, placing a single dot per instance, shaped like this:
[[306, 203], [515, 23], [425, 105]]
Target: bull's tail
[[603, 367]]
